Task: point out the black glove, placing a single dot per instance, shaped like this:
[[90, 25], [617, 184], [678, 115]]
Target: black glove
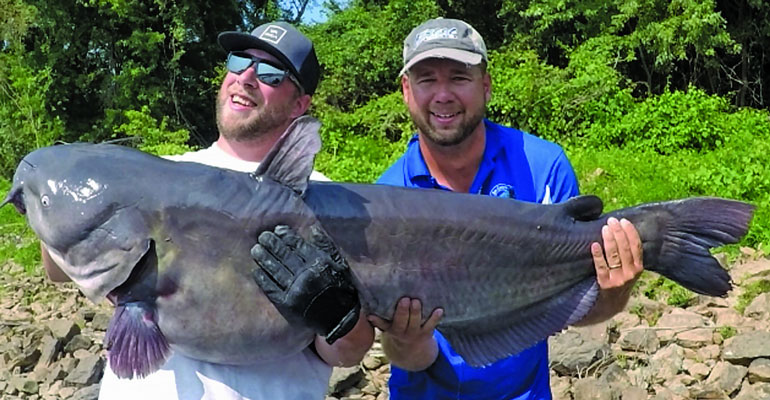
[[308, 282]]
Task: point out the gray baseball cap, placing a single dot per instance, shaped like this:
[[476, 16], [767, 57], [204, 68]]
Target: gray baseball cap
[[284, 42], [444, 38]]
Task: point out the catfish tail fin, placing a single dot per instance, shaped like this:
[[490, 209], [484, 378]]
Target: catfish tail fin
[[689, 229]]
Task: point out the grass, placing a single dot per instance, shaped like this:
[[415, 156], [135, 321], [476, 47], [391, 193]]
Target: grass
[[750, 292], [17, 241], [727, 332]]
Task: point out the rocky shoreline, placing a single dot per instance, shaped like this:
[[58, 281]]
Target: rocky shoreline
[[51, 347]]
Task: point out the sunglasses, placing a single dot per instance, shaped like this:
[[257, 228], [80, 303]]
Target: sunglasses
[[267, 72]]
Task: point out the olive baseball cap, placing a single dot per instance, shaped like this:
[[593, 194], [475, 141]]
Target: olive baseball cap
[[444, 38], [284, 42]]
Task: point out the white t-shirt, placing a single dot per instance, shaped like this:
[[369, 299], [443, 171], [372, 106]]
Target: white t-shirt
[[302, 376]]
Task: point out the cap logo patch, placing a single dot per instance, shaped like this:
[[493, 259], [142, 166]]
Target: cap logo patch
[[273, 34], [434, 34]]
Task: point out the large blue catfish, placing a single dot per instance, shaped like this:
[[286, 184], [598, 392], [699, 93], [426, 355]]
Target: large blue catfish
[[168, 243]]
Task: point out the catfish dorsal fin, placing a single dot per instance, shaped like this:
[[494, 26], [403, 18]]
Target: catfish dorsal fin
[[290, 161], [584, 208]]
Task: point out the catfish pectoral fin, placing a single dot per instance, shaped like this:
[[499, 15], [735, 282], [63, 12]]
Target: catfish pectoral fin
[[134, 341]]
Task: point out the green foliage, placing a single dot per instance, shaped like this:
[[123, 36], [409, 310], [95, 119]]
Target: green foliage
[[623, 178], [24, 124], [727, 332], [17, 241], [665, 289], [750, 292], [360, 145], [156, 137], [668, 123], [556, 103], [678, 39], [360, 49]]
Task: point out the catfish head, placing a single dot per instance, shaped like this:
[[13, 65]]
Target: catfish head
[[84, 213]]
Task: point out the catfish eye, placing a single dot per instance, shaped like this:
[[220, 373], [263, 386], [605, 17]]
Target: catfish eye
[[45, 201]]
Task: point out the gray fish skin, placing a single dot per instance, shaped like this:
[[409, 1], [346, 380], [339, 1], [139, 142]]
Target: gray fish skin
[[174, 238]]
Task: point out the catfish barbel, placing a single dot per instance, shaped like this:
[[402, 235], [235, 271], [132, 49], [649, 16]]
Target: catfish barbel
[[168, 243]]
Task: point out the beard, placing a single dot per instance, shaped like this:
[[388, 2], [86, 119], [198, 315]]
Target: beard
[[451, 136], [266, 119]]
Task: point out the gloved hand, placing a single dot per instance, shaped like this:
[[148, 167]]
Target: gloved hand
[[308, 282]]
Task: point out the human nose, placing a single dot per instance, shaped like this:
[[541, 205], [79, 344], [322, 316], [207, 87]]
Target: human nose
[[443, 93], [248, 77]]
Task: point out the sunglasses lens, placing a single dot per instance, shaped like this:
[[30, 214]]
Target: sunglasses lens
[[266, 73], [237, 63], [269, 74]]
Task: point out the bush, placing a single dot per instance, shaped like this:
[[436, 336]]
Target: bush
[[360, 145], [154, 137], [673, 121]]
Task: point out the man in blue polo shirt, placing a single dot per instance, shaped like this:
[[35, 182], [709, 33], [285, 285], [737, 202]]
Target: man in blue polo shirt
[[446, 88]]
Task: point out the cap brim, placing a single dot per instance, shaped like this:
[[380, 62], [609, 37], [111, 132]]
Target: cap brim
[[237, 41], [462, 56]]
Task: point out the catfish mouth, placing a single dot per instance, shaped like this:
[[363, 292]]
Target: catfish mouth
[[140, 283]]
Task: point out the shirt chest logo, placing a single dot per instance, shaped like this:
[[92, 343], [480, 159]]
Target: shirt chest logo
[[503, 190]]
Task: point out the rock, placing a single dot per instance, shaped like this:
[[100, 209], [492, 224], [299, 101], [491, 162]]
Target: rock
[[759, 370], [100, 321], [373, 361], [666, 363], [24, 360], [344, 378], [707, 391], [590, 389], [634, 393], [758, 391], [727, 317], [561, 387], [86, 393], [695, 338], [676, 321], [744, 271], [710, 352], [67, 392], [78, 342], [697, 370], [759, 308], [664, 393], [24, 385], [49, 350], [727, 377], [63, 329], [570, 352], [639, 339], [624, 320], [53, 390], [745, 347], [88, 371]]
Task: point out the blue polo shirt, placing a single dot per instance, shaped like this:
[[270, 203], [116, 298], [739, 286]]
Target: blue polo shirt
[[515, 165]]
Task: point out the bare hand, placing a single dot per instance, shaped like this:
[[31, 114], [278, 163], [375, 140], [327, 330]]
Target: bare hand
[[407, 326], [620, 264], [408, 342]]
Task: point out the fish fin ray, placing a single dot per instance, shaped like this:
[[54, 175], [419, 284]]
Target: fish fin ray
[[694, 226], [290, 160], [526, 328], [136, 347]]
